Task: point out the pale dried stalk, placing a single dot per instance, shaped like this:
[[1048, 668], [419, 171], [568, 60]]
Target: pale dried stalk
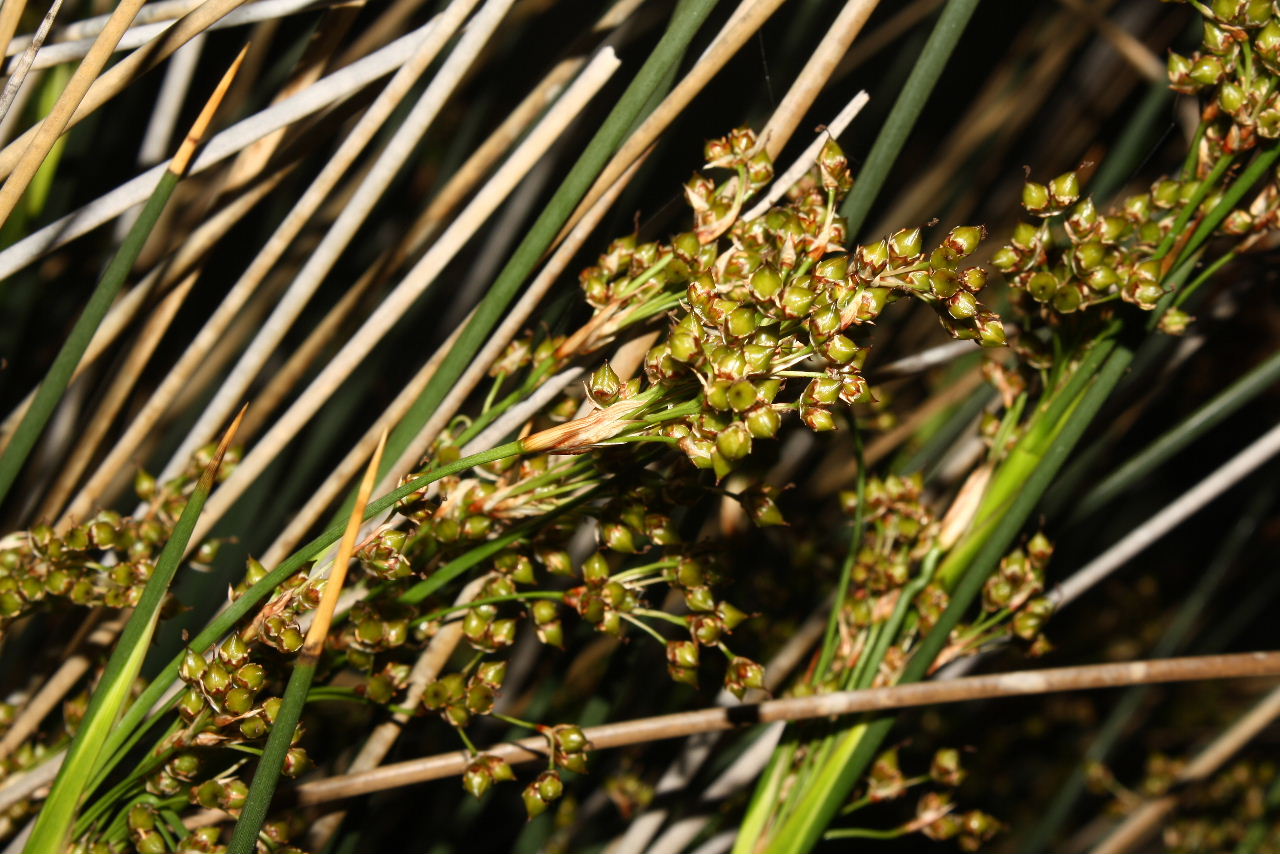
[[177, 378], [10, 16], [481, 161], [316, 59], [511, 324], [231, 390], [73, 667], [302, 357], [47, 132], [336, 483], [815, 74], [329, 91], [73, 41], [411, 287], [886, 34], [747, 18], [1243, 464], [1134, 52], [678, 725], [1146, 819], [19, 73], [106, 409], [425, 671], [393, 21], [98, 91]]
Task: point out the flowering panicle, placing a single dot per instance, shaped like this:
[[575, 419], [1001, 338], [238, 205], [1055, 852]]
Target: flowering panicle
[[765, 301]]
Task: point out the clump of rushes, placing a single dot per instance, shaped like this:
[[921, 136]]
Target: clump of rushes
[[766, 302], [764, 318], [1079, 256], [104, 560]]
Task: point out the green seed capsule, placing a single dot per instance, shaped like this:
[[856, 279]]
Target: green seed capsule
[[192, 666], [251, 675], [741, 396], [734, 442], [233, 651], [742, 322], [700, 599], [905, 243], [682, 346], [1035, 197], [502, 633], [595, 569], [216, 679], [682, 654], [796, 300], [840, 350], [238, 701], [964, 239], [1042, 286], [962, 305], [1064, 190], [766, 283], [604, 385], [763, 422], [1207, 70], [943, 283], [1067, 299]]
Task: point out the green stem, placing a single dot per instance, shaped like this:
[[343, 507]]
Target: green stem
[[902, 118], [829, 641]]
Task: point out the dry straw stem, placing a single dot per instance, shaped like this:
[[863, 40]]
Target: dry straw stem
[[512, 323], [109, 404], [1134, 52], [176, 379], [747, 18], [416, 281], [321, 260], [323, 619], [10, 16], [480, 162], [884, 35], [19, 73], [815, 74], [73, 41], [126, 308], [1133, 832], [301, 358], [73, 667], [1007, 103], [319, 55], [47, 132], [1229, 474], [330, 90], [836, 473], [178, 75], [681, 724]]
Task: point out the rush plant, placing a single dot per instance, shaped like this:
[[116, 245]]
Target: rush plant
[[741, 475]]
